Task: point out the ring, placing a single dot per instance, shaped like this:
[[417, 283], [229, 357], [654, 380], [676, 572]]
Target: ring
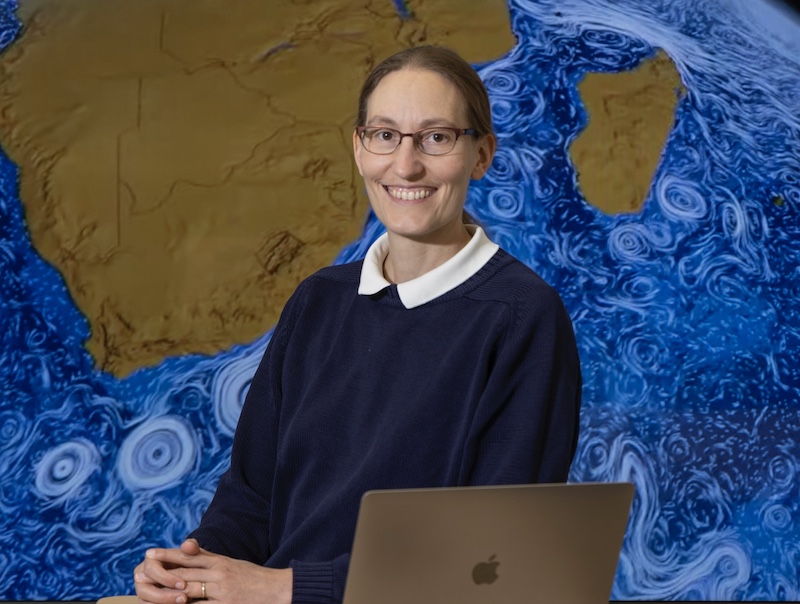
[[203, 590]]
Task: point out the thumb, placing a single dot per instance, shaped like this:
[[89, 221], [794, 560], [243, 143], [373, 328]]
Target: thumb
[[190, 547]]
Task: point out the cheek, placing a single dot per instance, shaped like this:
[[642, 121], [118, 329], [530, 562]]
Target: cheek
[[458, 175], [370, 166]]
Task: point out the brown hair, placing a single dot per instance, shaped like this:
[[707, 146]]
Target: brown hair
[[445, 62]]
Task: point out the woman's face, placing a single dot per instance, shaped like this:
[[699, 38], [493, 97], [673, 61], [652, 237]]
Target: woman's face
[[418, 196]]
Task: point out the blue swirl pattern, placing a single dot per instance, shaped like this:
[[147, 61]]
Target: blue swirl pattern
[[686, 316]]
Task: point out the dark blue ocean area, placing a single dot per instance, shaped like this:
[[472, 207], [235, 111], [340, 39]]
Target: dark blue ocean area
[[687, 316]]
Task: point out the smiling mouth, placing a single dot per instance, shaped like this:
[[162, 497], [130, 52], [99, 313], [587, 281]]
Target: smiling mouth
[[407, 194]]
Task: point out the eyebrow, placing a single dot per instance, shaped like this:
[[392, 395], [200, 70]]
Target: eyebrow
[[428, 123]]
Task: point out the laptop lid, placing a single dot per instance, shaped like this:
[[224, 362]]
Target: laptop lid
[[551, 543]]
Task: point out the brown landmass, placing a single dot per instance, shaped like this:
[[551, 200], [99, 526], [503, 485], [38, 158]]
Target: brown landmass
[[185, 163], [630, 116]]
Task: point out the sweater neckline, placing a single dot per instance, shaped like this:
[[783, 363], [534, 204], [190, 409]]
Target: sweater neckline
[[433, 284]]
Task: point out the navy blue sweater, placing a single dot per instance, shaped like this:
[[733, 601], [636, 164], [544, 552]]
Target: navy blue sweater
[[479, 386]]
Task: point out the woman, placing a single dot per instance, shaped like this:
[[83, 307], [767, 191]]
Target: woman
[[440, 360]]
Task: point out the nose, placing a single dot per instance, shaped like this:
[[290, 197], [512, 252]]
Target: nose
[[408, 160]]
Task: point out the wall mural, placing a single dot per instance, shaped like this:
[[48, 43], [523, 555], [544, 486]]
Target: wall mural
[[170, 173]]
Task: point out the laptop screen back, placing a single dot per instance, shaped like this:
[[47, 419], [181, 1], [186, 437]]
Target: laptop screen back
[[555, 543]]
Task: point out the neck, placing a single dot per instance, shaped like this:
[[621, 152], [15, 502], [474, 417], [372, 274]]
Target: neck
[[408, 259]]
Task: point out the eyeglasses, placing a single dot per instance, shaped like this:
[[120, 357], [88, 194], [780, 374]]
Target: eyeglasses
[[431, 141]]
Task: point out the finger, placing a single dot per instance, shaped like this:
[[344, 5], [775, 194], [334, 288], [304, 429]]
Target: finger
[[191, 547], [196, 575], [140, 577], [177, 558], [198, 590], [154, 572], [194, 590], [160, 595]]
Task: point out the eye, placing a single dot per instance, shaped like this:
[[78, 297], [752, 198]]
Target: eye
[[383, 135], [438, 137]]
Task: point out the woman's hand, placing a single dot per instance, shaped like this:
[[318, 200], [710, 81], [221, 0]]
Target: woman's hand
[[154, 581], [170, 576]]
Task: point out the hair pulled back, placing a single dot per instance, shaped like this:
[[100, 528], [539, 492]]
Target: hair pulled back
[[446, 63]]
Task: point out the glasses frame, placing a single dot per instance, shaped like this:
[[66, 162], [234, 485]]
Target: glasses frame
[[416, 137]]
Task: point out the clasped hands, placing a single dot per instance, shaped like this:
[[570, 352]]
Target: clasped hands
[[177, 575]]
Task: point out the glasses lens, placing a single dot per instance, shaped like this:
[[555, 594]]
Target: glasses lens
[[380, 140], [436, 141], [433, 141]]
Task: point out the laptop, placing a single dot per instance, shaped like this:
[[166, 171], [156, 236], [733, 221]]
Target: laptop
[[547, 543]]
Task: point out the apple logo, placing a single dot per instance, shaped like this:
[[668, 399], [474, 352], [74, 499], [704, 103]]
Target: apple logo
[[485, 572]]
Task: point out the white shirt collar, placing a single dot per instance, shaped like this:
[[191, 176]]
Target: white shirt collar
[[432, 284]]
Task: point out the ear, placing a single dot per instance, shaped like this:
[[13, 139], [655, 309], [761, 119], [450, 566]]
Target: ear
[[357, 150], [486, 149]]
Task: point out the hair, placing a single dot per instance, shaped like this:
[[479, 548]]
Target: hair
[[445, 62]]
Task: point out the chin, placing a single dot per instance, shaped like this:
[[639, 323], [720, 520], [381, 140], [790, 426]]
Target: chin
[[425, 232], [407, 231]]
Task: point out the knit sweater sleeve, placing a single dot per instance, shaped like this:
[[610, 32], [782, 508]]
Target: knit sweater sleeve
[[526, 425], [319, 582], [236, 523]]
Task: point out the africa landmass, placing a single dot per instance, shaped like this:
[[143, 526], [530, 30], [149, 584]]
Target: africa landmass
[[184, 167]]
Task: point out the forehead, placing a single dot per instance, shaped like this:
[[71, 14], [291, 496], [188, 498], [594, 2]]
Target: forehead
[[416, 97]]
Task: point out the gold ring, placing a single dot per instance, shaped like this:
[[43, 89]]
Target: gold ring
[[203, 590]]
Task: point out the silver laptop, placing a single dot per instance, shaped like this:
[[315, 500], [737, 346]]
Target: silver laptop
[[551, 543]]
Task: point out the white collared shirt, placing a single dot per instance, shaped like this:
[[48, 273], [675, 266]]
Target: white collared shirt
[[434, 283]]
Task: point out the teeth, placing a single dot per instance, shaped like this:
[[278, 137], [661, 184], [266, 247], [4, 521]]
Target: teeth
[[408, 194]]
